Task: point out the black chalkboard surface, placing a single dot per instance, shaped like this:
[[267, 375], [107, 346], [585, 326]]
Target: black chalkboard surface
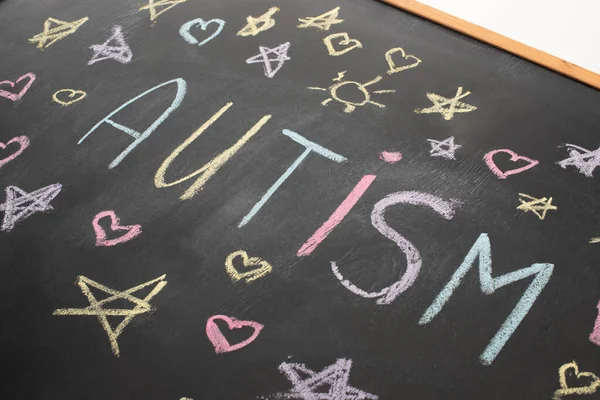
[[289, 200]]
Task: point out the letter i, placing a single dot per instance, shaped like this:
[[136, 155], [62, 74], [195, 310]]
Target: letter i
[[338, 215]]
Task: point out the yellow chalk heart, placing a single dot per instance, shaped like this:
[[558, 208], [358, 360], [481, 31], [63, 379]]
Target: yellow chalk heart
[[264, 267], [565, 390], [393, 67], [346, 41], [75, 95]]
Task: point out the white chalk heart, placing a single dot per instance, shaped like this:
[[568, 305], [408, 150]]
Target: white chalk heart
[[184, 31]]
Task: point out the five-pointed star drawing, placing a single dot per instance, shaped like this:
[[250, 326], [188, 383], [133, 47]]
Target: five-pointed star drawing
[[279, 55], [19, 205], [333, 383], [446, 106], [444, 148], [153, 4], [114, 48], [256, 25], [584, 160], [54, 30], [142, 306], [529, 203], [322, 22]]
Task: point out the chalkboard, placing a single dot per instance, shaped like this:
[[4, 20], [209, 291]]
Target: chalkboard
[[289, 200]]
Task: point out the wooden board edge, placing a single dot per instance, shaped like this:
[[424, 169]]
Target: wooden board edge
[[497, 40]]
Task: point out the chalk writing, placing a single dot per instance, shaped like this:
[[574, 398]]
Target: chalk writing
[[153, 5], [20, 205], [310, 147], [333, 382], [322, 22], [390, 157], [444, 148], [595, 335], [54, 30], [220, 342], [444, 208], [97, 309], [514, 157], [184, 31], [114, 48], [211, 167], [279, 55], [140, 136], [595, 240], [537, 206], [447, 106], [22, 141], [131, 231], [264, 268], [260, 24], [74, 95], [17, 96], [350, 106], [481, 253], [584, 160], [592, 381], [338, 215], [350, 44], [394, 69]]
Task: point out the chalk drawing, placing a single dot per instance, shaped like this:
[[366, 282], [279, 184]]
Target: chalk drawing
[[390, 157], [537, 206], [264, 268], [17, 96], [54, 30], [114, 48], [595, 240], [444, 148], [254, 26], [74, 95], [584, 160], [444, 208], [153, 5], [184, 31], [514, 157], [394, 69], [361, 87], [481, 253], [140, 136], [322, 22], [131, 231], [211, 167], [595, 335], [349, 44], [333, 382], [592, 381], [338, 215], [97, 309], [447, 106], [22, 141], [272, 59], [220, 342], [20, 205], [310, 147]]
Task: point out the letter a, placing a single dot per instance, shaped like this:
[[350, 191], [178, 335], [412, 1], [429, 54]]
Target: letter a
[[140, 136]]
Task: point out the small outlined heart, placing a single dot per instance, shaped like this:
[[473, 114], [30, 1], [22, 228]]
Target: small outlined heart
[[251, 275], [17, 96], [514, 157], [23, 142], [74, 95], [346, 41], [592, 385], [219, 341], [132, 231], [393, 67], [184, 31]]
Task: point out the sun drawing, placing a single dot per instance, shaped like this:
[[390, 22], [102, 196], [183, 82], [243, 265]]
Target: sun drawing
[[361, 87]]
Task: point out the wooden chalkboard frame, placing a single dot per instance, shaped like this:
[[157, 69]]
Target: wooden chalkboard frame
[[495, 39]]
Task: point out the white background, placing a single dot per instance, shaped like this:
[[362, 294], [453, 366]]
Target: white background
[[569, 30]]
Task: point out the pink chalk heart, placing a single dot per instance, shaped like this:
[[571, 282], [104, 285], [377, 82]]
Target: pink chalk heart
[[391, 157], [514, 157], [219, 341], [17, 96], [23, 142], [131, 230]]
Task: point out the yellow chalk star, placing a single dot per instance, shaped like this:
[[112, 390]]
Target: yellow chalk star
[[153, 4], [447, 107], [534, 205], [260, 24], [322, 22], [54, 30], [142, 306]]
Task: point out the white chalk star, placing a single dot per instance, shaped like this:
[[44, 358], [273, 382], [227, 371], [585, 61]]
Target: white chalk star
[[115, 47], [444, 148], [583, 159], [19, 205], [279, 54]]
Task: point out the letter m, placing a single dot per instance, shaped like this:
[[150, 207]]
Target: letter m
[[482, 252]]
